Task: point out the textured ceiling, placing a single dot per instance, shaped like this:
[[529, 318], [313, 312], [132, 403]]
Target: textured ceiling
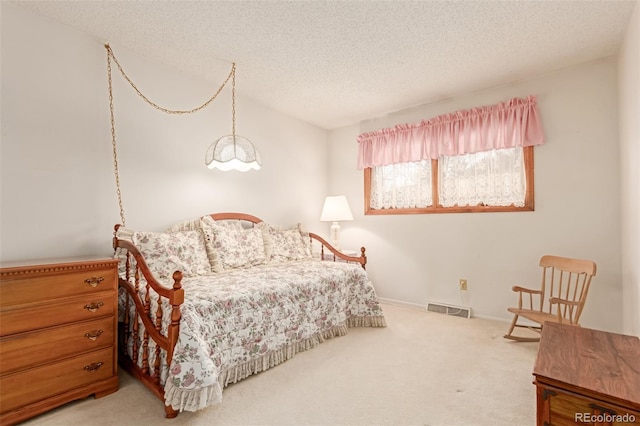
[[334, 63]]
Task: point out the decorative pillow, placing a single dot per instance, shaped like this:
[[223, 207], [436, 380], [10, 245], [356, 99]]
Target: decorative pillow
[[231, 247], [124, 234], [187, 225], [166, 253], [284, 245], [230, 223], [195, 224]]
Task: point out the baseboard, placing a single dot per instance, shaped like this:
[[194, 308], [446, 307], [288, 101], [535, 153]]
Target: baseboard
[[403, 303], [424, 308]]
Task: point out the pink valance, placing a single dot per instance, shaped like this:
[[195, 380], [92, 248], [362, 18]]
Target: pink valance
[[504, 125]]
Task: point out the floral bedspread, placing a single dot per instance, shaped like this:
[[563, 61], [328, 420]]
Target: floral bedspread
[[243, 321]]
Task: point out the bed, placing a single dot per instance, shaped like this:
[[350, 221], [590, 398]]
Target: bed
[[215, 299]]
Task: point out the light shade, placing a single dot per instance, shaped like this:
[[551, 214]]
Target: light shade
[[233, 152], [336, 209]]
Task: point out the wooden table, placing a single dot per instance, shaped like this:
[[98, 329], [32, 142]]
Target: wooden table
[[586, 376]]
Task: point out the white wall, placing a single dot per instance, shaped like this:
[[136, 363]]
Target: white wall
[[57, 185], [629, 92], [57, 193], [415, 258]]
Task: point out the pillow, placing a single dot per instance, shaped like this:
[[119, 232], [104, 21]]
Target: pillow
[[166, 253], [230, 223], [187, 225], [195, 224], [231, 247], [124, 234], [284, 245]]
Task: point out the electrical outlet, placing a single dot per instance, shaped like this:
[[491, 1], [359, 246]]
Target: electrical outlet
[[463, 284]]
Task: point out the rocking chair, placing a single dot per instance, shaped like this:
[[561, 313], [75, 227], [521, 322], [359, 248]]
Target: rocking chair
[[560, 299]]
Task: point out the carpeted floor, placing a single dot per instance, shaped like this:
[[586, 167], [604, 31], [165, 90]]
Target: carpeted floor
[[422, 369]]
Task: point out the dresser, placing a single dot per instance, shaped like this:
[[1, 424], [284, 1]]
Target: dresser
[[586, 376], [58, 322]]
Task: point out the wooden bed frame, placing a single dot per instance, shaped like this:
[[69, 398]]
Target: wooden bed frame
[[148, 374]]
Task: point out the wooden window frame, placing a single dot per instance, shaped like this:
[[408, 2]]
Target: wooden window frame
[[438, 208]]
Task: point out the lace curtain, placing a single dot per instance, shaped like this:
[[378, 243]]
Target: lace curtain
[[401, 186], [492, 178]]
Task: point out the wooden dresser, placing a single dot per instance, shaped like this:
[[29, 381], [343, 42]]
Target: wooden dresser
[[586, 376], [58, 322]]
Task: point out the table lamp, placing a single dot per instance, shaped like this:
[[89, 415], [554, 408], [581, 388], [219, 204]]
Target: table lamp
[[336, 209]]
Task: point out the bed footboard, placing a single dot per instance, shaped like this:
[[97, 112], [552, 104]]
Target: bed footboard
[[141, 327]]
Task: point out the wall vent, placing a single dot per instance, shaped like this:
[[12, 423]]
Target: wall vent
[[453, 310]]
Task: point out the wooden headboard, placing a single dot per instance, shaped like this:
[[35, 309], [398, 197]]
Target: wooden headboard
[[334, 253], [235, 216]]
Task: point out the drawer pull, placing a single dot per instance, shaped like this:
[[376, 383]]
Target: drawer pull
[[94, 281], [92, 307], [603, 409], [93, 366], [93, 335]]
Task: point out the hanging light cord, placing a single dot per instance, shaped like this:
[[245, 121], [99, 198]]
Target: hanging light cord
[[158, 107], [113, 139], [233, 100], [110, 57]]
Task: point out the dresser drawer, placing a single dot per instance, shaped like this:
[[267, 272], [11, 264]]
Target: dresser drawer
[[25, 350], [26, 387], [568, 409], [18, 289], [17, 319]]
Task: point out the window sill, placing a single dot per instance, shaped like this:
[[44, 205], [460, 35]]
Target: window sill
[[466, 209]]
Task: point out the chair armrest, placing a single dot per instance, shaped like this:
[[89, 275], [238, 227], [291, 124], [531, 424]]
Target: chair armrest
[[568, 311], [554, 300], [517, 288]]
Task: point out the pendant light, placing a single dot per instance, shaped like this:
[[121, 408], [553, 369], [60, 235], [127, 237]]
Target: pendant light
[[233, 152]]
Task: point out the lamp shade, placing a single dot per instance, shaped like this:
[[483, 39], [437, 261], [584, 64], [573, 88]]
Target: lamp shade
[[336, 209], [233, 152]]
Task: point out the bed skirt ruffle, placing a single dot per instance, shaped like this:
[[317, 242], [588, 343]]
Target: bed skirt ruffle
[[196, 399], [366, 322], [191, 399]]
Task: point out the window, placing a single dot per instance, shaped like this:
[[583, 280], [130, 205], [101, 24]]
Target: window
[[488, 181], [477, 160]]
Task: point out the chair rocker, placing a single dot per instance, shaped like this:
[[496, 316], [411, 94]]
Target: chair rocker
[[560, 299]]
